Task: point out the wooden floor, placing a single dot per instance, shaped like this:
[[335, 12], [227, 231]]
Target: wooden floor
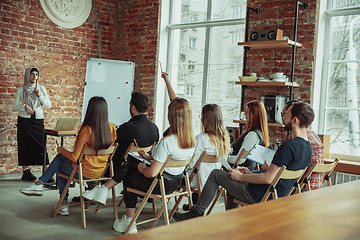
[[327, 213]]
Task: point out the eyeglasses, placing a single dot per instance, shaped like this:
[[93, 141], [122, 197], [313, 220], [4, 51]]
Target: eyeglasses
[[282, 113]]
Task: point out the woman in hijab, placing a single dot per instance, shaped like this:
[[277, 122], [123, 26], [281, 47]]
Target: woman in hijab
[[29, 101]]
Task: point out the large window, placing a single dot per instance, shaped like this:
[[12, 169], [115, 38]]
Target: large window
[[203, 59], [340, 75]]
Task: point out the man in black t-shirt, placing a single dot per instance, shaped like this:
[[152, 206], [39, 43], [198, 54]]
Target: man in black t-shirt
[[250, 187]]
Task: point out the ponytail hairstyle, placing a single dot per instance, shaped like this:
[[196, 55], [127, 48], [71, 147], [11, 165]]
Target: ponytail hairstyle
[[180, 119], [213, 125], [258, 120], [96, 117]]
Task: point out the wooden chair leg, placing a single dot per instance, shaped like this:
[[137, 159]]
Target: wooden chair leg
[[225, 198], [82, 204], [64, 192], [114, 203], [177, 202], [153, 206], [158, 215], [137, 213], [220, 191]]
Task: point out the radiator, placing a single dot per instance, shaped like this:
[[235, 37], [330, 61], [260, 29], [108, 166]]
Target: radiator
[[346, 177]]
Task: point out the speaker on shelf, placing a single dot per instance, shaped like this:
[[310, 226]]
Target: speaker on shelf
[[233, 134], [266, 35]]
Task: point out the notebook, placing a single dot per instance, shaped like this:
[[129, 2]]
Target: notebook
[[66, 124], [260, 153], [137, 156]]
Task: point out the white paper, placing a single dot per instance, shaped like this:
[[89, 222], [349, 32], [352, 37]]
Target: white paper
[[137, 156], [260, 153]]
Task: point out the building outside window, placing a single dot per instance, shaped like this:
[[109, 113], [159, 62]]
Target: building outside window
[[212, 64], [339, 89]]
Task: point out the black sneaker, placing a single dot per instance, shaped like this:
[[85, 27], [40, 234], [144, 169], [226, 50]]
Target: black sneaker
[[185, 216], [28, 176], [77, 200], [186, 207], [51, 181]]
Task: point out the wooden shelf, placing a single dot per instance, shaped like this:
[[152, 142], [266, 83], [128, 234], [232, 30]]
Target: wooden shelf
[[270, 44], [268, 84], [270, 124]]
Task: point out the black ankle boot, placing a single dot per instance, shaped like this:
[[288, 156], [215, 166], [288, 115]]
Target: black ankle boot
[[28, 176]]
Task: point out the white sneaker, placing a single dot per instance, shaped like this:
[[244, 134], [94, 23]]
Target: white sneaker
[[33, 190], [120, 225], [63, 210], [97, 194]]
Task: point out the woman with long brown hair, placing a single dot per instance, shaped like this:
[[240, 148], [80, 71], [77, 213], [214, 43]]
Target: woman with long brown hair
[[256, 132], [179, 144], [98, 133], [214, 140]]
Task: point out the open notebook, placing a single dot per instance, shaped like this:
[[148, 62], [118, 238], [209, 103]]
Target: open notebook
[[66, 124]]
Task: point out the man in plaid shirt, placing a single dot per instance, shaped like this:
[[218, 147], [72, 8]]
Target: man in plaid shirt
[[316, 147]]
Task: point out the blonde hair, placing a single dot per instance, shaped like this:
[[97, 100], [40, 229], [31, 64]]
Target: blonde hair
[[180, 119], [258, 120], [213, 126]]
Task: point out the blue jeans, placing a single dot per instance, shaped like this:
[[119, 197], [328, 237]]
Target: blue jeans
[[59, 164]]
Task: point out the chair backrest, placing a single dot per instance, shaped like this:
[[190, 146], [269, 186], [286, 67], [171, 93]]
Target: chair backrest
[[318, 168], [169, 162], [133, 148], [91, 151], [283, 173], [204, 157], [240, 156]]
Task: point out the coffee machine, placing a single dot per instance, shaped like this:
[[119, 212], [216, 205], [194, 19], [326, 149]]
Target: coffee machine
[[274, 105]]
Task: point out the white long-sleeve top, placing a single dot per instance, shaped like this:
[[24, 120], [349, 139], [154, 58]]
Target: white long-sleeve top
[[20, 106], [203, 144]]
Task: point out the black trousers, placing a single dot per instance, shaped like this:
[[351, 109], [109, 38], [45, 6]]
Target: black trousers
[[125, 169], [137, 180]]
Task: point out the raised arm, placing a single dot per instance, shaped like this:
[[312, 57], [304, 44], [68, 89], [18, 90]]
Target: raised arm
[[169, 88]]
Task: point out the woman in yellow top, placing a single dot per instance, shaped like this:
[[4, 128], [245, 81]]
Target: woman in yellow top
[[98, 133]]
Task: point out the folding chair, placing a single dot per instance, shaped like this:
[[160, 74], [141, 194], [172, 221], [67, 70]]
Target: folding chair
[[318, 168], [78, 167], [133, 148], [221, 190], [282, 174], [204, 158], [163, 197]]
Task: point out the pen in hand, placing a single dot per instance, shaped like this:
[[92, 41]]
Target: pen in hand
[[136, 145], [57, 143]]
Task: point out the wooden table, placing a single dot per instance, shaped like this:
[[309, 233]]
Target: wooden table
[[327, 213]]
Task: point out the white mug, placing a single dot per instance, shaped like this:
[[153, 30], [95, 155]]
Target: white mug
[[278, 75], [253, 74]]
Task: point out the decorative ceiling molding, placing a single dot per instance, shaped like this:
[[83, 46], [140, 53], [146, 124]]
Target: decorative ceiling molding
[[67, 13]]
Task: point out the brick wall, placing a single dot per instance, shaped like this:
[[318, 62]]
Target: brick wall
[[280, 14], [119, 30]]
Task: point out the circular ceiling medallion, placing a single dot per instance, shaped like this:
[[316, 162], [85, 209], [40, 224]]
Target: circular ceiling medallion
[[67, 13]]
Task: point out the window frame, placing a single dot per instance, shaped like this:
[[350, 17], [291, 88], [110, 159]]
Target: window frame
[[165, 36], [321, 65]]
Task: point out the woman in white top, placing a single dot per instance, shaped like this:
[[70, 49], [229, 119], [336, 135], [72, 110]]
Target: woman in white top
[[179, 144], [29, 102], [256, 132], [214, 140]]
